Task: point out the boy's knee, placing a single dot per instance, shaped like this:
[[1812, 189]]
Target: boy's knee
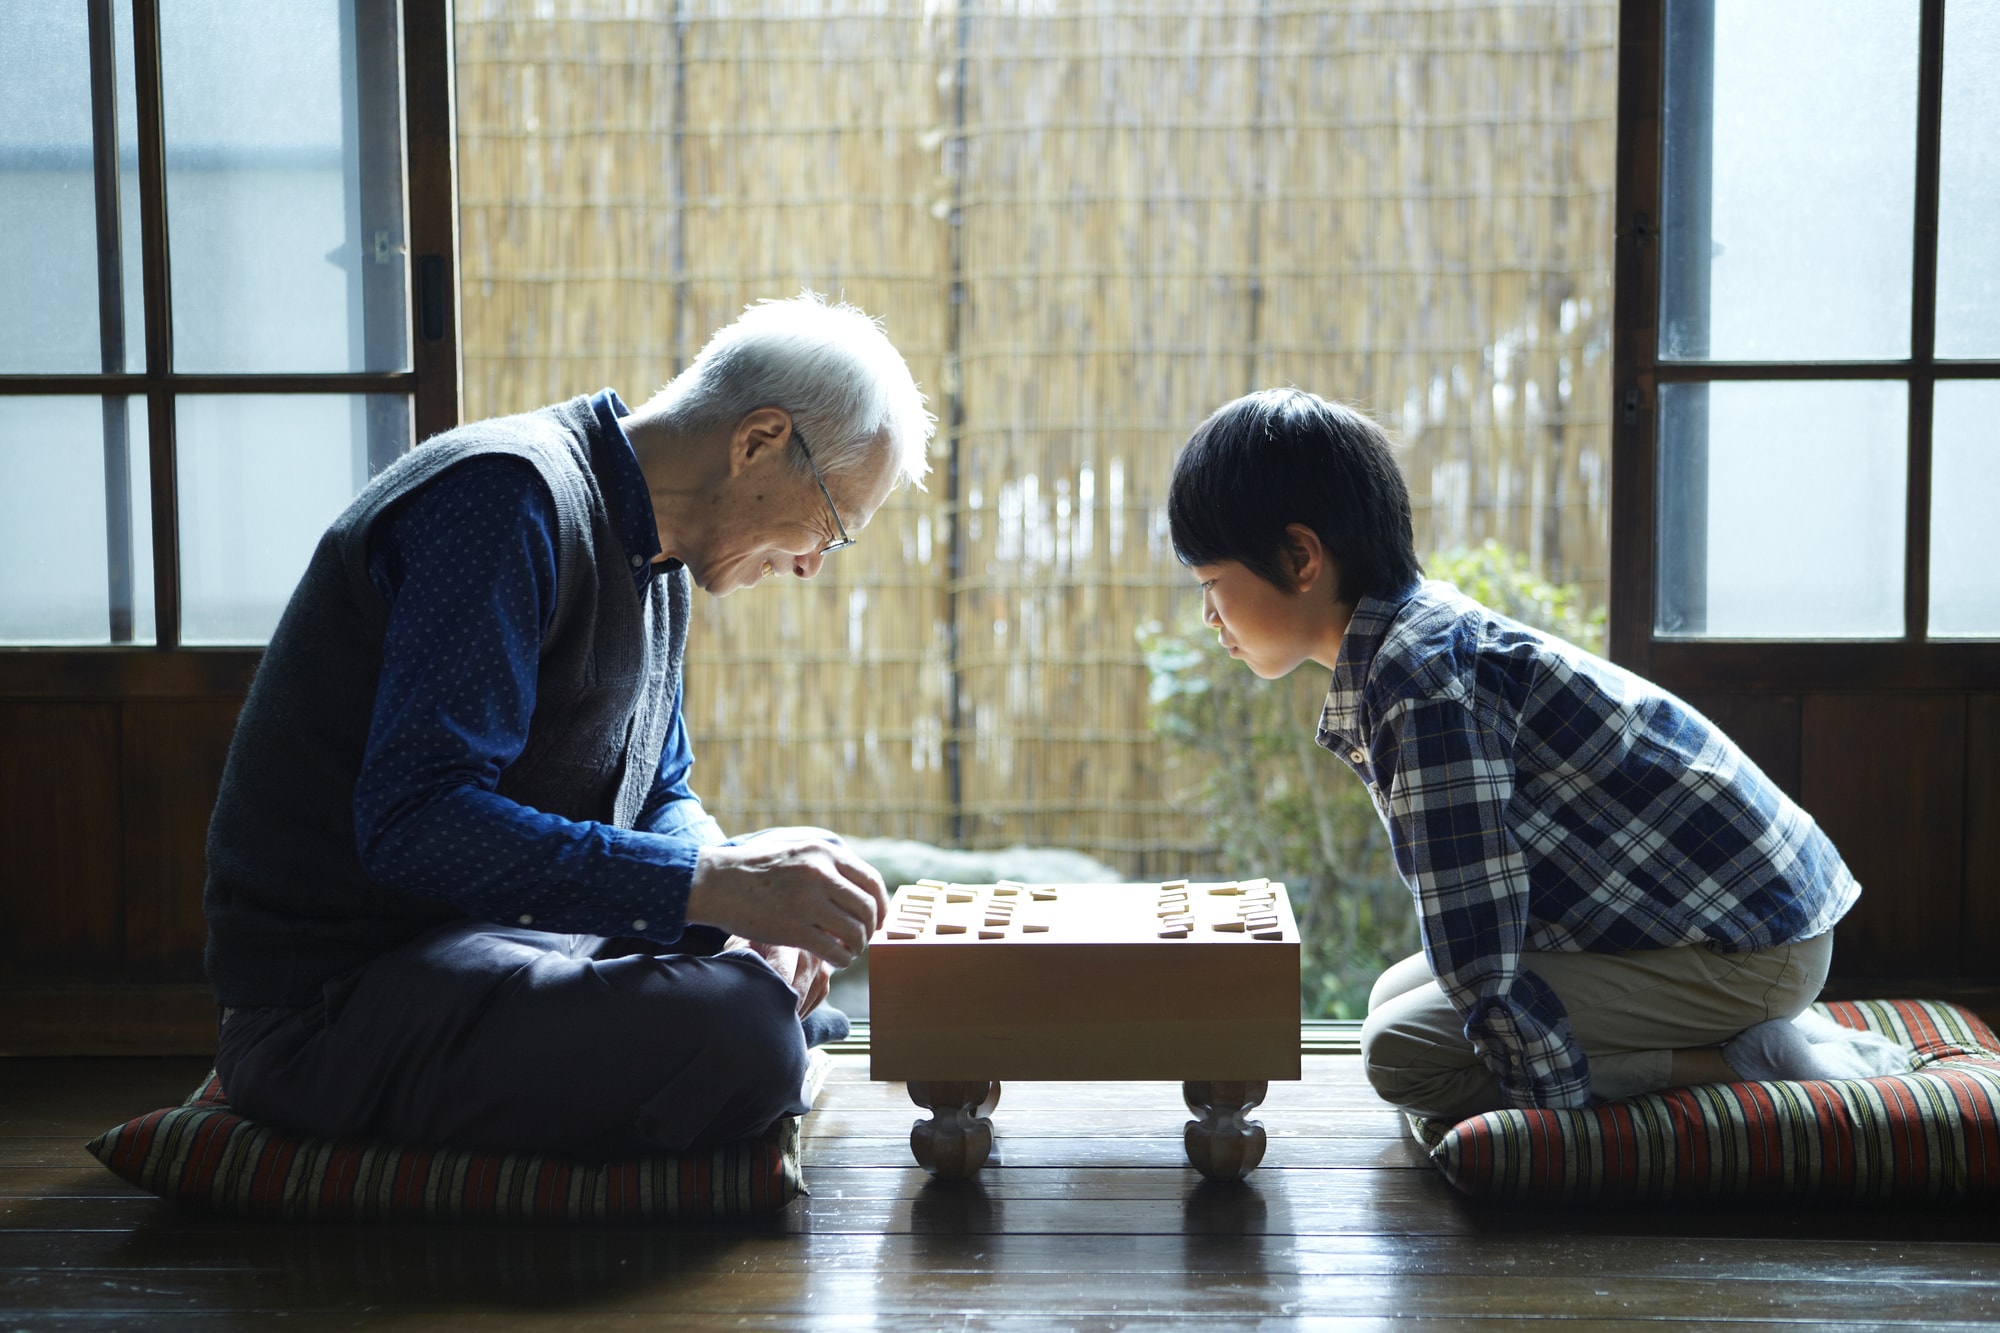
[[1416, 1068], [1404, 1063], [1382, 1056], [1400, 978]]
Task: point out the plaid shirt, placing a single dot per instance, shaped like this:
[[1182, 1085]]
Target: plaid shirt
[[1540, 798]]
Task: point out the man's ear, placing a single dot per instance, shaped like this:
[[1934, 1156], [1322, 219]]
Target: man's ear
[[762, 434], [1305, 554]]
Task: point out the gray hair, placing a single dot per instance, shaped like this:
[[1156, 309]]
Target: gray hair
[[829, 365]]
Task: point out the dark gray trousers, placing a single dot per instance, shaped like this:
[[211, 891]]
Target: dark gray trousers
[[501, 1037]]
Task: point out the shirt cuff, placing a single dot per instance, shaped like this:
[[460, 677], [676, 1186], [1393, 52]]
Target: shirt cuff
[[638, 887]]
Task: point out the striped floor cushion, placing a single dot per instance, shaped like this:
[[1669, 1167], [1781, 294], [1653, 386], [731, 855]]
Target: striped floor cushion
[[1931, 1134], [203, 1153]]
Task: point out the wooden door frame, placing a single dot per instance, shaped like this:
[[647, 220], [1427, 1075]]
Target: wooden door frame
[[44, 685], [1777, 689], [1910, 661]]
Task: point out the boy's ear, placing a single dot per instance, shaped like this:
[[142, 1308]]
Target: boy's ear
[[1305, 553]]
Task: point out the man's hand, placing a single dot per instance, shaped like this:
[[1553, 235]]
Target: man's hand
[[804, 892], [809, 977]]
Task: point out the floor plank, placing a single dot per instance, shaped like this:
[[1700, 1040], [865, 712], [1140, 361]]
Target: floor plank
[[586, 1318], [1091, 1219], [1158, 1151], [947, 1294], [1010, 1124]]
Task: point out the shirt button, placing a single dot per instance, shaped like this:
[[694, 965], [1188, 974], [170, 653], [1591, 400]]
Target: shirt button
[[527, 920], [1359, 756], [640, 924], [638, 560]]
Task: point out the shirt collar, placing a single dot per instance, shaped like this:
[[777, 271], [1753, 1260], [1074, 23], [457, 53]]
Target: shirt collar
[[626, 492], [1340, 719]]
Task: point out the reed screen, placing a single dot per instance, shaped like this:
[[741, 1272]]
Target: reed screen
[[1086, 224]]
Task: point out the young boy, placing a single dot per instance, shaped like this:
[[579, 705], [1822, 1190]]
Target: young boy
[[1612, 898]]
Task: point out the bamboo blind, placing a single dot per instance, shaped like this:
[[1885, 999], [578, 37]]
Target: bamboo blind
[[1086, 223]]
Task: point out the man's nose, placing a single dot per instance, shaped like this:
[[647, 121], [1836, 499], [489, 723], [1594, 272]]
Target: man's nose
[[805, 566]]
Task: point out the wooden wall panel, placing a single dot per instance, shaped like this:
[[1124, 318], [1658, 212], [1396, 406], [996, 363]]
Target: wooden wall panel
[[1884, 774], [174, 750], [61, 900], [1765, 725], [65, 1018], [1979, 942]]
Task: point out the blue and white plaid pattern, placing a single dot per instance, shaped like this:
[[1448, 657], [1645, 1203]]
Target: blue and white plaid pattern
[[1540, 798]]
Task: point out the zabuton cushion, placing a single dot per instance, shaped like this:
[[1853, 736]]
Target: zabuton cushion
[[205, 1154], [1932, 1134]]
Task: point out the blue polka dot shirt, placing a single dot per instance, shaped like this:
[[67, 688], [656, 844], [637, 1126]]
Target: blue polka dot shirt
[[467, 564]]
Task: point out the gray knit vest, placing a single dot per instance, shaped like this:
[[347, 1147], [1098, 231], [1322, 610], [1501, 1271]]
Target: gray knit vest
[[288, 904]]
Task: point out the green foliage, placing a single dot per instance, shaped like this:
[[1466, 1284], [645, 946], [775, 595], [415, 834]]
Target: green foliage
[[1500, 580], [1241, 755]]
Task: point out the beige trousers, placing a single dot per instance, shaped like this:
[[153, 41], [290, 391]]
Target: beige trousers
[[1628, 1011]]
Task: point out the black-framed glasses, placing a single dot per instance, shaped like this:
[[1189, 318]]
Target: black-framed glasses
[[843, 541]]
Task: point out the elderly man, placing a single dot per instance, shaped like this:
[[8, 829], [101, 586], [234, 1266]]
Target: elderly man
[[459, 889]]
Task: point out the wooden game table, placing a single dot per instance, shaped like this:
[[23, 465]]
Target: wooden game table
[[973, 984]]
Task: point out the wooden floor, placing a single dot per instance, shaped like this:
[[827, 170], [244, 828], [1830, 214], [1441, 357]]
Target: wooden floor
[[1093, 1220]]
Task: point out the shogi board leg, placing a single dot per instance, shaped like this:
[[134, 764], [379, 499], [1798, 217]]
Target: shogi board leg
[[958, 1138], [1223, 1145]]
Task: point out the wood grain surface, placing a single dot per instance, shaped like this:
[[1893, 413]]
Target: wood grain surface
[[1077, 982], [1092, 1219]]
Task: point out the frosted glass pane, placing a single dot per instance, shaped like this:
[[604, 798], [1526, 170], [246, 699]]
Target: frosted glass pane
[[261, 476], [57, 544], [1788, 179], [284, 185], [1968, 315], [48, 200], [1965, 500], [1781, 509]]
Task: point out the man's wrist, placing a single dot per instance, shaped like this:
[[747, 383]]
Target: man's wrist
[[701, 897]]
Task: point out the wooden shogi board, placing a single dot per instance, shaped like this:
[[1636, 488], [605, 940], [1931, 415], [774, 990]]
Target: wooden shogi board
[[1086, 981]]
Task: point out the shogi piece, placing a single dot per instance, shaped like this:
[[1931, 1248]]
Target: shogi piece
[[1090, 982]]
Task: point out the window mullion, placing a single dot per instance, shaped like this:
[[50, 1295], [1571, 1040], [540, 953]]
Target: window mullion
[[1634, 418], [111, 319], [1923, 323], [431, 198], [159, 321]]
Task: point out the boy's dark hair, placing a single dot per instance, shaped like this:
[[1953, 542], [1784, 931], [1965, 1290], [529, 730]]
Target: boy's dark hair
[[1280, 456]]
